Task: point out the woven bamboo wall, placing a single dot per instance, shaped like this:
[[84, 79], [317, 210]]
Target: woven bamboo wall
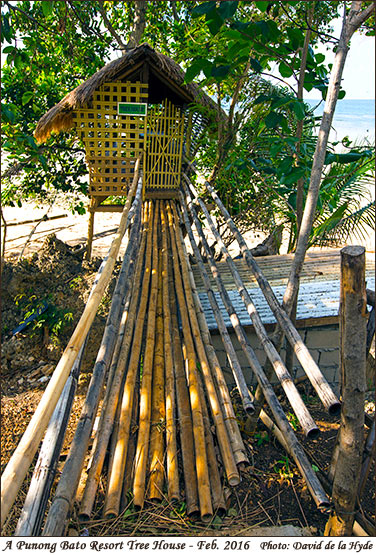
[[164, 147], [112, 142]]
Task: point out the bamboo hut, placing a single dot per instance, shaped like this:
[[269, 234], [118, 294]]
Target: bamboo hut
[[137, 105]]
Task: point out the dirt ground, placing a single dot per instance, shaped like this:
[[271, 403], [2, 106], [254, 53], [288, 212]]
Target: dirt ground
[[53, 274]]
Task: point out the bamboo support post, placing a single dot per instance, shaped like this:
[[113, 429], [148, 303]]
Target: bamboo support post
[[170, 394], [158, 412], [216, 411], [202, 472], [22, 457], [324, 391], [228, 410], [187, 439], [70, 476], [353, 332], [90, 232], [307, 423], [106, 424], [146, 383], [230, 351]]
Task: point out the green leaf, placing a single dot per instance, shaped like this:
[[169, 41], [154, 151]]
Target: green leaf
[[285, 70], [344, 158], [203, 9], [298, 108], [341, 95], [296, 37], [7, 114], [220, 72], [263, 28], [273, 120], [198, 65], [319, 57], [255, 65], [8, 49], [293, 176], [47, 8], [26, 97], [227, 9], [262, 6], [214, 21]]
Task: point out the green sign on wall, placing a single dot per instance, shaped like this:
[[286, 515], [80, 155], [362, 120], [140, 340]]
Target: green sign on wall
[[132, 108]]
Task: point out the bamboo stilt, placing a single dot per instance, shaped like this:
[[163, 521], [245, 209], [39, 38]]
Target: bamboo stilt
[[170, 395], [158, 413], [146, 384], [22, 457], [202, 472], [90, 233], [216, 411], [223, 393], [187, 440], [324, 391], [306, 421]]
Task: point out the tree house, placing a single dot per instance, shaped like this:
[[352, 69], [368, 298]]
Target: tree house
[[137, 105]]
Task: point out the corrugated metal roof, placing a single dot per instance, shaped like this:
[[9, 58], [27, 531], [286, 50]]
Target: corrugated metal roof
[[318, 295]]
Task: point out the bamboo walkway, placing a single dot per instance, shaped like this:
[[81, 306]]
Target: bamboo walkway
[[166, 420]]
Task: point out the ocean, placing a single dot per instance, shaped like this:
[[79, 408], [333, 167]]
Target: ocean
[[352, 118]]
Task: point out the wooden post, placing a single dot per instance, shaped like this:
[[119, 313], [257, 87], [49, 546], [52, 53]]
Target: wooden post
[[90, 231], [353, 322]]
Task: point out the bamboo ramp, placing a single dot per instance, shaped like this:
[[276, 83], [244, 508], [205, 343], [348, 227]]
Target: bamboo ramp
[[166, 423]]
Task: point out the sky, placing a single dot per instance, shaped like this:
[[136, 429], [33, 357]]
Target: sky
[[359, 71]]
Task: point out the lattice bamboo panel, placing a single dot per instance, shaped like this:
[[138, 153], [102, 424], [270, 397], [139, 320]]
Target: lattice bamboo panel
[[164, 147], [112, 141]]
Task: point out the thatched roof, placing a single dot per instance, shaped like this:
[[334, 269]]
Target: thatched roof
[[164, 70]]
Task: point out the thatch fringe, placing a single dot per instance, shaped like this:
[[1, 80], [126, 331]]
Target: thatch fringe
[[59, 117]]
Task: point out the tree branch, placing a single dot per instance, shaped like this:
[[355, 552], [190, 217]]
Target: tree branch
[[138, 24], [110, 28]]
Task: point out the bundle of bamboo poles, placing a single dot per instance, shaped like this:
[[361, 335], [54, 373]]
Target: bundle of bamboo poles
[[166, 418]]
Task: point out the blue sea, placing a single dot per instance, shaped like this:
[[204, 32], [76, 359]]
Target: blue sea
[[352, 118]]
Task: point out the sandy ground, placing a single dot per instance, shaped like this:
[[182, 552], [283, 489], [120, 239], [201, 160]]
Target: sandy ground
[[72, 229]]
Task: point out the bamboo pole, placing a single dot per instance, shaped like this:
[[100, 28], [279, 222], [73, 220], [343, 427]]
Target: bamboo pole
[[105, 430], [187, 440], [170, 395], [202, 472], [300, 458], [306, 421], [216, 411], [230, 351], [158, 413], [225, 399], [70, 476], [146, 384], [22, 457], [353, 333], [310, 367], [129, 465], [30, 521]]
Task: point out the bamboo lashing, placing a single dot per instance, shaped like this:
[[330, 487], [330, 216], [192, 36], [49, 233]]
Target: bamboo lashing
[[306, 421], [324, 391], [201, 463], [231, 354], [22, 457], [216, 411], [223, 393]]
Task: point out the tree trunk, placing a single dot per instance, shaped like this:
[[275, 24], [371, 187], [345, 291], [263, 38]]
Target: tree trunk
[[351, 23], [353, 319], [139, 22]]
